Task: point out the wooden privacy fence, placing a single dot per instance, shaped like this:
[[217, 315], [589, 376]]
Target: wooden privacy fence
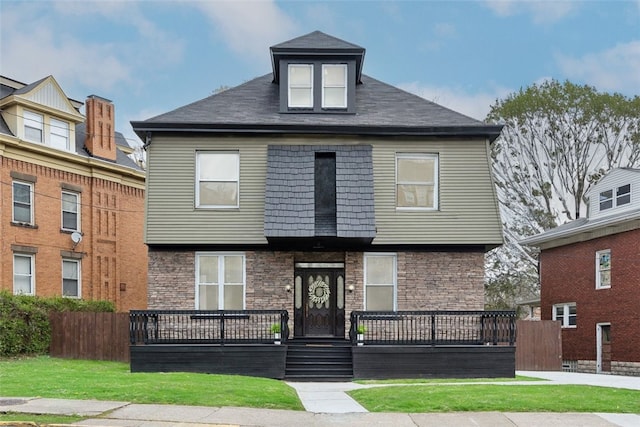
[[94, 336], [538, 345]]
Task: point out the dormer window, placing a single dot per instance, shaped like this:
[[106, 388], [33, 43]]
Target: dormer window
[[334, 86], [622, 197], [317, 86], [300, 86], [33, 127]]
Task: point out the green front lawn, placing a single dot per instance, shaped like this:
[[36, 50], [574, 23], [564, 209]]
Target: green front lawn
[[88, 379], [502, 398]]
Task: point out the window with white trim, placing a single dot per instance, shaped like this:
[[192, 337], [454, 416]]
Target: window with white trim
[[619, 196], [623, 195], [300, 85], [566, 313], [22, 202], [380, 282], [70, 211], [71, 278], [23, 274], [33, 127], [603, 269], [218, 177], [334, 85], [220, 281], [417, 181], [59, 136]]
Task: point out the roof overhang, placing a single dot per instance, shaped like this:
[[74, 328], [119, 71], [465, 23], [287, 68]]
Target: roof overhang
[[491, 132], [600, 227]]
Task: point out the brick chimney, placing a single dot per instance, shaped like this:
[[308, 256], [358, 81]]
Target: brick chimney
[[100, 139]]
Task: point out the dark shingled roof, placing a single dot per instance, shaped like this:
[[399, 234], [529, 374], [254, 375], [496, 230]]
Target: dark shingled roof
[[314, 41], [290, 192], [380, 108]]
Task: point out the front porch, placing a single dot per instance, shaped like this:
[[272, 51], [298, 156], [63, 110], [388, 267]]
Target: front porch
[[392, 344]]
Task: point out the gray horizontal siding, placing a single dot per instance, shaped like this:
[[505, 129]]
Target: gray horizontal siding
[[467, 211], [467, 215]]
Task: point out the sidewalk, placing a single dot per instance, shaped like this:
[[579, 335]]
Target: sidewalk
[[326, 404]]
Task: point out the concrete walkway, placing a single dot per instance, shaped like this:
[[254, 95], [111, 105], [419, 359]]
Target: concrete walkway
[[326, 404]]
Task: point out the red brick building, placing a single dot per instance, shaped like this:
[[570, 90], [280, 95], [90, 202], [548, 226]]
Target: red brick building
[[590, 278], [71, 200]]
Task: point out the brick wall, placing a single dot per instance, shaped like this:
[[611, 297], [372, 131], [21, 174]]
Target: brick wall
[[113, 254], [568, 275], [426, 280]]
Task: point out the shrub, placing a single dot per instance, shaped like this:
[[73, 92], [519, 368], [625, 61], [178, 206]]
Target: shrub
[[24, 320]]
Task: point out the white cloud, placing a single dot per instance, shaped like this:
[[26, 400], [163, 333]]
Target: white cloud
[[249, 27], [475, 105], [46, 31], [615, 69], [541, 12]]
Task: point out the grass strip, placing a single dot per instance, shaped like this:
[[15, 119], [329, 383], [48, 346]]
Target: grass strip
[[90, 379], [449, 380], [503, 398]]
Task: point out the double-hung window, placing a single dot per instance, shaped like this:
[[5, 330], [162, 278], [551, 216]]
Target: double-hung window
[[623, 195], [603, 269], [566, 313], [23, 274], [417, 181], [220, 281], [70, 211], [59, 137], [380, 282], [71, 278], [334, 86], [33, 127], [300, 86], [22, 202], [616, 197], [218, 175]]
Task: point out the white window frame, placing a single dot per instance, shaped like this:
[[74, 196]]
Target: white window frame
[[604, 199], [367, 256], [13, 202], [79, 280], [59, 131], [220, 283], [292, 86], [599, 269], [33, 121], [199, 155], [32, 276], [435, 182], [77, 212], [344, 86], [564, 318], [619, 195]]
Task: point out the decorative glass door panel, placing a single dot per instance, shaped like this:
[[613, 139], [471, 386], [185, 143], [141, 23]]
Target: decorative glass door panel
[[322, 310]]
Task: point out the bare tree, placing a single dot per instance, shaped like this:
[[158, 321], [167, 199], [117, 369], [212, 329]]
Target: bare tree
[[558, 140]]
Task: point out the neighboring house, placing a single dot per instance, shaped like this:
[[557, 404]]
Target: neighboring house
[[590, 278], [72, 201], [321, 191]]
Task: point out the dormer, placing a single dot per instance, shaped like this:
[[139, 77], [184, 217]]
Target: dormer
[[317, 73], [41, 113], [617, 192]]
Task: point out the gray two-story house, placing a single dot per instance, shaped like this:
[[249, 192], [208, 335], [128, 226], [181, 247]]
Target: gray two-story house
[[321, 191]]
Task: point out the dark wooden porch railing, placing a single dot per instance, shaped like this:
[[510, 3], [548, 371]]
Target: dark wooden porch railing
[[207, 326], [435, 327]]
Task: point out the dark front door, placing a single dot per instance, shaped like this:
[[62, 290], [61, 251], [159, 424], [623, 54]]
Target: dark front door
[[319, 302]]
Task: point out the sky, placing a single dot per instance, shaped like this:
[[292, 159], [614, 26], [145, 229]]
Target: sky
[[150, 56]]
